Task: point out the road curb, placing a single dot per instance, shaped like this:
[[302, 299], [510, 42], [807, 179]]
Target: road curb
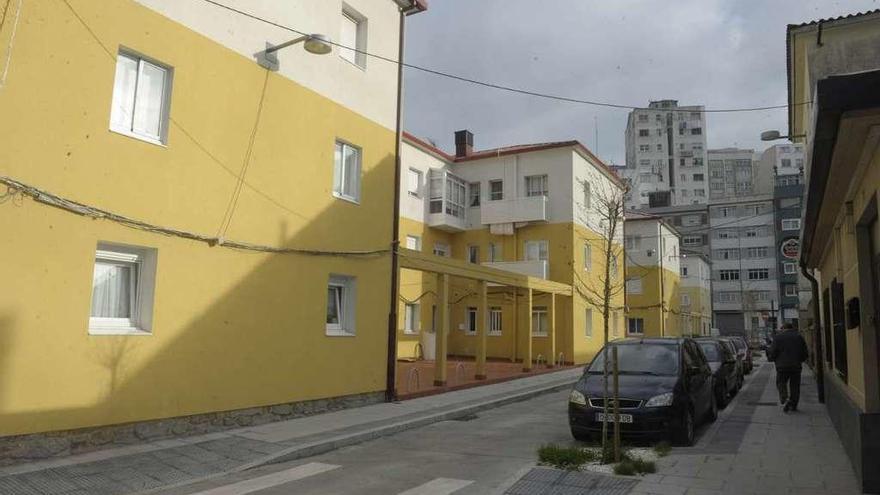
[[336, 442]]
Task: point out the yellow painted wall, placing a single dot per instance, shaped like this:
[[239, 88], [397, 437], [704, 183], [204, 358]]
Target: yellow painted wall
[[231, 329], [647, 304]]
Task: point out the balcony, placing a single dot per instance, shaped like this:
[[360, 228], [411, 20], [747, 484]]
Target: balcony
[[536, 268], [446, 210], [446, 221], [529, 209]]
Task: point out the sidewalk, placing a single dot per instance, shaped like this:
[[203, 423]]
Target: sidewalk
[[149, 467], [754, 448]]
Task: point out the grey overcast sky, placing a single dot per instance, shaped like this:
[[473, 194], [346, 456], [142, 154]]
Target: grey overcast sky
[[717, 53]]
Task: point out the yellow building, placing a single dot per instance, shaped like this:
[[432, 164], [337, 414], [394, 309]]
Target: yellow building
[[653, 280], [186, 233], [521, 209], [834, 109], [695, 295]]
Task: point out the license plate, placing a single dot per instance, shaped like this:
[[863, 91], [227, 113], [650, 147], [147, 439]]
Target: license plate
[[624, 418]]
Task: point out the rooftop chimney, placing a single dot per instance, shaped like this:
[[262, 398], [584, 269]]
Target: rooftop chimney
[[464, 143]]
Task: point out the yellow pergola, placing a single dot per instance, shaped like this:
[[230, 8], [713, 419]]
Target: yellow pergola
[[444, 268]]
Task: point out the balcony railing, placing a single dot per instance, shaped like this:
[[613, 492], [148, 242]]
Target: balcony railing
[[536, 268], [529, 209]]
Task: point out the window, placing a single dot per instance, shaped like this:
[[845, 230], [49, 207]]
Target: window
[[496, 190], [495, 320], [535, 250], [470, 325], [786, 163], [799, 162], [681, 162], [643, 132], [495, 252], [141, 96], [698, 177], [684, 177], [685, 193], [411, 318], [588, 256], [539, 321], [726, 254], [644, 147], [789, 268], [473, 254], [588, 195], [123, 282], [643, 117], [692, 240], [685, 299], [632, 241], [727, 297], [635, 326], [441, 249], [414, 182], [791, 290], [347, 172], [696, 131], [684, 271], [728, 274], [644, 163], [634, 285], [474, 194], [612, 269], [414, 242], [695, 115], [700, 192], [756, 252], [659, 147], [790, 203], [341, 299], [536, 185], [588, 323], [791, 224], [759, 295], [353, 36], [758, 273], [725, 212]]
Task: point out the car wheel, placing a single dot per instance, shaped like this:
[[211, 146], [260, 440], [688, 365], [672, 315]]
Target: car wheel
[[581, 435], [713, 409], [685, 434]]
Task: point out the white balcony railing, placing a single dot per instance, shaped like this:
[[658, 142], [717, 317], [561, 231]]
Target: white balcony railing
[[537, 268], [530, 209]]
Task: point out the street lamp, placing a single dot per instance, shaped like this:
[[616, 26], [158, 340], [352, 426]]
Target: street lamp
[[317, 44], [774, 135]]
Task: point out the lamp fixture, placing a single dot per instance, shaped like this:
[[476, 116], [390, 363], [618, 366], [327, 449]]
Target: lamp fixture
[[317, 44], [774, 135]]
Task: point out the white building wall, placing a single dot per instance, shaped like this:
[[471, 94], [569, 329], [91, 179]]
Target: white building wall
[[412, 157], [370, 91]]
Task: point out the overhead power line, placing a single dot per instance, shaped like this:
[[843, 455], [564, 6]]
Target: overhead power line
[[492, 85]]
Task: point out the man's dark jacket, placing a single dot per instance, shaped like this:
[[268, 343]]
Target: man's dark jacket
[[788, 350]]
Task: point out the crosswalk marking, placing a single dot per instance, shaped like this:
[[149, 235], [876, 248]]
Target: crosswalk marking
[[274, 479], [438, 486]]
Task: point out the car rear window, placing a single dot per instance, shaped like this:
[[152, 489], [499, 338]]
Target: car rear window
[[711, 351], [640, 359]]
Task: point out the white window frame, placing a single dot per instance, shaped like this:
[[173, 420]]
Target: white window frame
[[634, 285], [340, 174], [414, 182], [161, 138], [493, 194], [692, 240], [414, 242], [731, 275], [539, 316], [639, 326], [588, 256], [473, 195], [794, 292], [142, 262], [588, 323], [537, 185], [789, 268], [758, 274], [495, 321], [542, 247], [346, 303], [473, 253], [791, 224], [441, 249], [356, 57], [411, 318]]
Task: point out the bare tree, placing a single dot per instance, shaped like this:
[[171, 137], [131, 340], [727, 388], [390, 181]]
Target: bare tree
[[602, 211]]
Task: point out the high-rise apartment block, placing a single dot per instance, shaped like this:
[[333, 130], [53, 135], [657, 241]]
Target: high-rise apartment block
[[666, 155]]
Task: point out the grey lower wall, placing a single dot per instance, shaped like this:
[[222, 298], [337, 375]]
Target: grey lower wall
[[24, 448], [859, 432]]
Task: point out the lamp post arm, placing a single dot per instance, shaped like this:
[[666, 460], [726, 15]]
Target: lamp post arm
[[275, 48]]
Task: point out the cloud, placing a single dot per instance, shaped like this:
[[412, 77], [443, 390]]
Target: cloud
[[717, 53]]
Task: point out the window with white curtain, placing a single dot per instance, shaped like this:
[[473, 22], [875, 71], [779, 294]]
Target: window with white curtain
[[474, 194], [411, 318], [539, 321], [536, 185], [341, 299], [141, 95], [123, 282], [347, 172], [588, 256], [536, 250], [414, 182], [414, 242], [353, 36], [495, 320]]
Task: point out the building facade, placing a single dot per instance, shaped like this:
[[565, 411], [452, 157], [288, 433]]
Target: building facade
[[653, 277], [794, 289], [695, 294], [835, 65], [197, 239], [533, 210], [745, 289], [666, 155], [733, 173]]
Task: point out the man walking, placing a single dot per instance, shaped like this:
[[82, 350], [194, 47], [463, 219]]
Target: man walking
[[788, 351]]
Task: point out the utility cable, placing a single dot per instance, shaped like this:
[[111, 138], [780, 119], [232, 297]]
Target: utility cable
[[496, 86]]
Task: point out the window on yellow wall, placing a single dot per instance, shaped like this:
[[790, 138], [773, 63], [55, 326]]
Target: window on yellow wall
[[411, 314], [588, 323], [495, 320], [347, 172], [414, 242], [341, 297], [588, 256], [635, 326], [495, 252], [123, 283], [536, 250], [471, 320], [539, 321], [141, 96], [634, 285]]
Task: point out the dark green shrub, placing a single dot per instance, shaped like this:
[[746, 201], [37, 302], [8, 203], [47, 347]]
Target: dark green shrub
[[564, 457]]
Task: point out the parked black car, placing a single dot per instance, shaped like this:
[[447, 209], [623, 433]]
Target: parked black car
[[744, 352], [725, 369], [665, 385], [740, 361]]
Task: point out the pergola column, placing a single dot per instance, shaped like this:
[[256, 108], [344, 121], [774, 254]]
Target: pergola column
[[441, 345], [482, 328], [527, 357], [551, 359]]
